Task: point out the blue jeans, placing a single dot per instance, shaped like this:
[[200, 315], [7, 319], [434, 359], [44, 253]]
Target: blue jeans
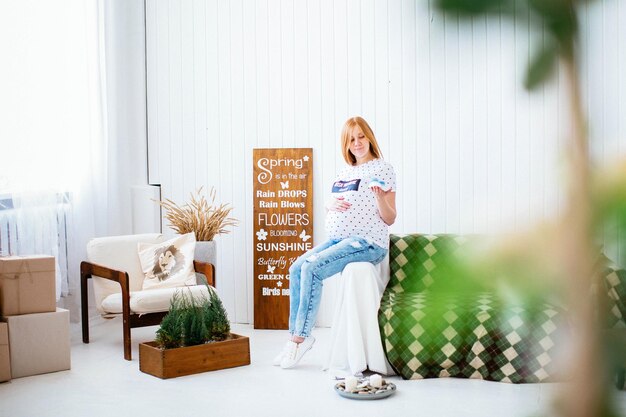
[[321, 262]]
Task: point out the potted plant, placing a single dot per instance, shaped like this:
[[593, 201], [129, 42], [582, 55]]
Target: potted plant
[[203, 217], [193, 337]]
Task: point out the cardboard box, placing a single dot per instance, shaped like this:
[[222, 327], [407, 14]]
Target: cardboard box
[[27, 285], [5, 361], [39, 343]]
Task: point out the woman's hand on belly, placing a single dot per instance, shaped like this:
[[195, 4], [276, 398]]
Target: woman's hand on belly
[[338, 204]]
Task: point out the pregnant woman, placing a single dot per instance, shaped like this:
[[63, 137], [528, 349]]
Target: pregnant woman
[[361, 209]]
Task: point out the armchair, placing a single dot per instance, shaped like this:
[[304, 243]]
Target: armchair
[[114, 265]]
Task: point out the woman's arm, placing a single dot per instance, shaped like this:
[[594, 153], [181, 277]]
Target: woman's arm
[[386, 201]]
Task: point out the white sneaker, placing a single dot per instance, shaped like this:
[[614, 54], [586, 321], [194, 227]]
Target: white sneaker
[[295, 352], [278, 358]]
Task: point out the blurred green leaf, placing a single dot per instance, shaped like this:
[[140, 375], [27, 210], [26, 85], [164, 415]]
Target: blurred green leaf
[[541, 67], [474, 7], [551, 9], [560, 19]]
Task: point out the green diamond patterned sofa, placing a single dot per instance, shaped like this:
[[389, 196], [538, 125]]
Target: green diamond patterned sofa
[[477, 334]]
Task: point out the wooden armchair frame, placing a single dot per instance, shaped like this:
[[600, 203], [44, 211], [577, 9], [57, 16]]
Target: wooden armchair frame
[[130, 319]]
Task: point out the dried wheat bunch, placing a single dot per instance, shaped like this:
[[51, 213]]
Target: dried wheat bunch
[[199, 216]]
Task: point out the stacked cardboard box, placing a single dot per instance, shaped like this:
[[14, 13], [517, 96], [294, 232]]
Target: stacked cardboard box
[[38, 332], [27, 285], [5, 361]]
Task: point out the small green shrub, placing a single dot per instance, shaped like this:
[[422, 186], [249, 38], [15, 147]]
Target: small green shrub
[[216, 318], [193, 321], [169, 334]]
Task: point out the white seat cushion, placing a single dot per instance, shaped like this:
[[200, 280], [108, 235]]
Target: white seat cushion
[[149, 301]]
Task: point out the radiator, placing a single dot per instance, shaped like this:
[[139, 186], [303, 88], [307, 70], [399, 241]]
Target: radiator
[[50, 239], [8, 229]]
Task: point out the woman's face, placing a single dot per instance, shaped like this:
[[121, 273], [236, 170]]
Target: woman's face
[[359, 145]]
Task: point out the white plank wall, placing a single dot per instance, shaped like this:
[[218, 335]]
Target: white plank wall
[[473, 151]]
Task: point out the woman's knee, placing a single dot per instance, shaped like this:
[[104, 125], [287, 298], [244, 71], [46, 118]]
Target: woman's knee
[[296, 266], [312, 269]]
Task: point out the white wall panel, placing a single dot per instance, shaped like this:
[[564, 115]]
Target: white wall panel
[[473, 151], [407, 152], [250, 110], [478, 112], [466, 167], [439, 123], [199, 90], [152, 84], [422, 185], [451, 114], [262, 75], [285, 27]]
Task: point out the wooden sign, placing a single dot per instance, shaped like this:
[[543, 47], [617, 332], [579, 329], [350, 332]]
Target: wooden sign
[[283, 228]]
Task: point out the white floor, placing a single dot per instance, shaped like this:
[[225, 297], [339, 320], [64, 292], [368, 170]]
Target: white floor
[[102, 383]]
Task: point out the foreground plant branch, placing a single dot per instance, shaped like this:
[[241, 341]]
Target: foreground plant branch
[[585, 395], [588, 392]]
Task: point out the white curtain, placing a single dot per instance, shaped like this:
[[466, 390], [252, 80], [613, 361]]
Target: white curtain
[[53, 138]]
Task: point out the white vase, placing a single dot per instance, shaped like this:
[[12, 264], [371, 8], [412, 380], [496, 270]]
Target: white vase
[[206, 251]]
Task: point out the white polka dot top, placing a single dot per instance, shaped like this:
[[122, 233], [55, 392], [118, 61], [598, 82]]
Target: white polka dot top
[[362, 218]]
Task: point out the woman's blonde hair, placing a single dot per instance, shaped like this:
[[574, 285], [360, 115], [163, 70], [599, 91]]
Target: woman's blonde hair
[[350, 124]]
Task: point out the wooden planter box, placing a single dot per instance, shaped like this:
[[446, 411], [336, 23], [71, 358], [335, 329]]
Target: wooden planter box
[[171, 363]]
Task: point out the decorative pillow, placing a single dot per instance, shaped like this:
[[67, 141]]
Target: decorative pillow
[[615, 281], [418, 261], [168, 264]]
